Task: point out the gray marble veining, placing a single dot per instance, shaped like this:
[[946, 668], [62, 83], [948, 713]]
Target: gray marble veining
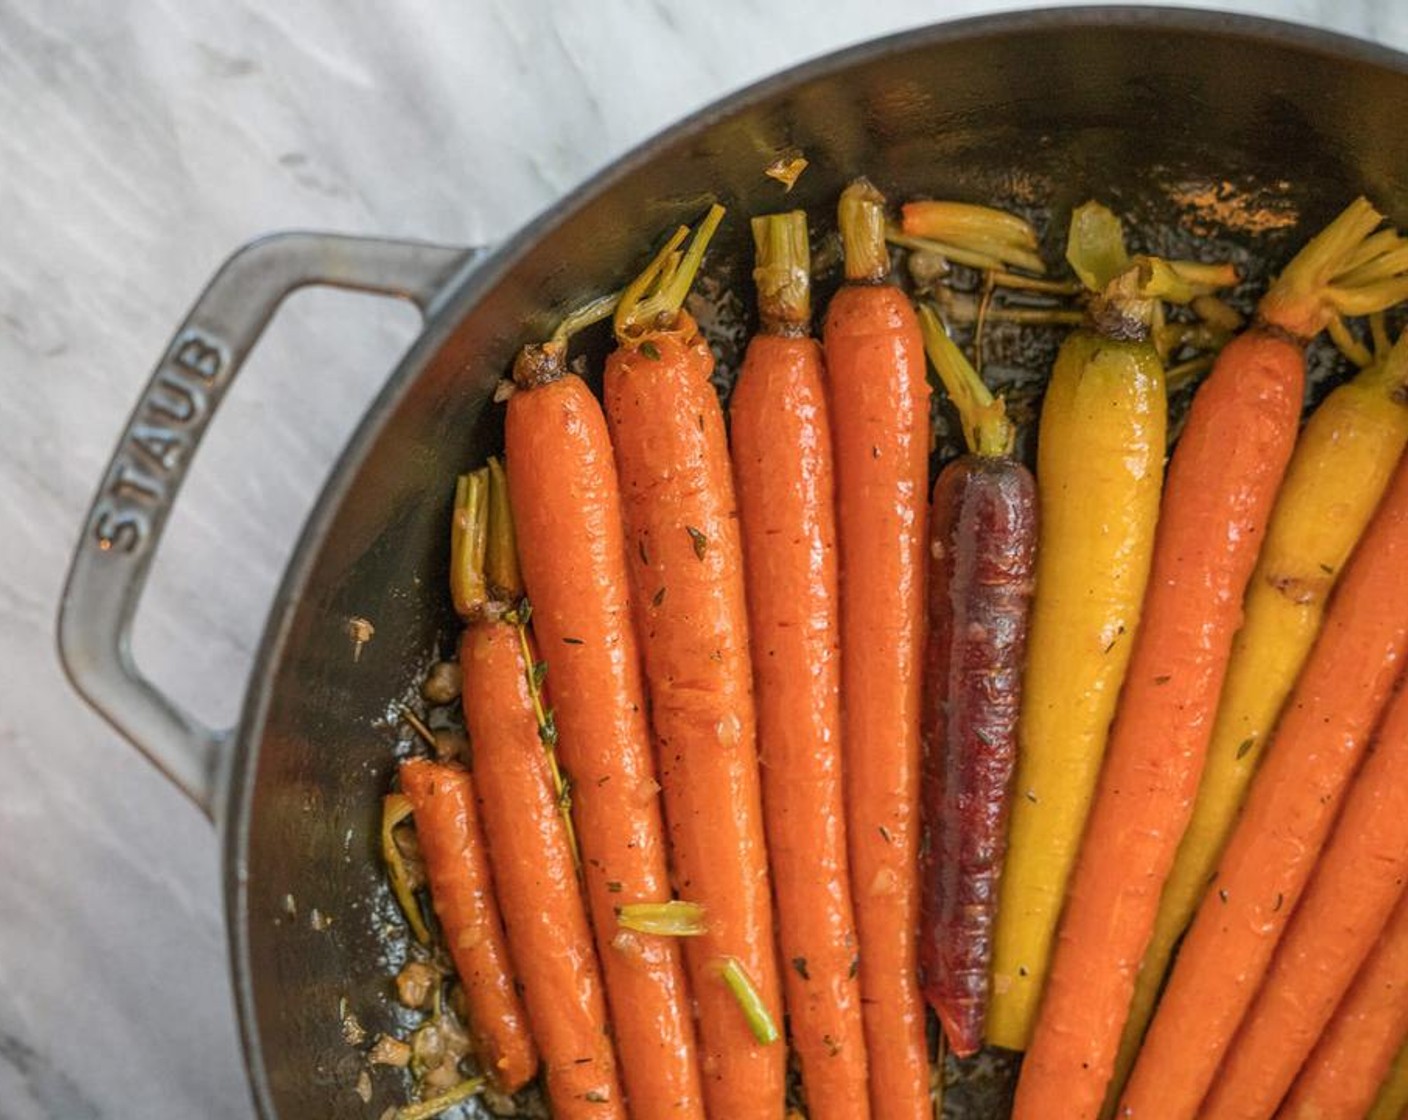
[[142, 141]]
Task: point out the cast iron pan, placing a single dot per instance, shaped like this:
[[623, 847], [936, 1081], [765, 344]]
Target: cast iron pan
[[1212, 135]]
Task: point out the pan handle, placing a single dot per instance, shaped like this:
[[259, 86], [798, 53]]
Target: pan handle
[[124, 526]]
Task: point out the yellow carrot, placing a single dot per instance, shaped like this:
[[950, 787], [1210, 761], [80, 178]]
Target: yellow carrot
[[1342, 464], [1100, 456]]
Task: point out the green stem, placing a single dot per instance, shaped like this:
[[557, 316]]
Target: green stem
[[984, 257], [986, 428], [589, 314], [1351, 267], [861, 216], [675, 918], [760, 1020], [535, 671], [782, 272], [501, 555], [395, 810], [469, 538], [652, 301]]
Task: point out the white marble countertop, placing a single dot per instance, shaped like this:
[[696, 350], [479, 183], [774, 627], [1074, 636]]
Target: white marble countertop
[[142, 141]]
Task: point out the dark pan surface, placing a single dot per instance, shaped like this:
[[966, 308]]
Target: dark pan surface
[[1211, 135]]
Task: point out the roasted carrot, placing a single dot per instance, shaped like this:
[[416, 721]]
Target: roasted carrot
[[1392, 1101], [686, 569], [1356, 884], [982, 544], [462, 893], [1100, 456], [1321, 732], [1222, 480], [566, 505], [1340, 468], [781, 442], [880, 431], [519, 795], [1370, 1025]]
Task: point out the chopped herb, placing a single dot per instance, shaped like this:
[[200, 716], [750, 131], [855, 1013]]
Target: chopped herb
[[1022, 970], [875, 451], [885, 834], [614, 886], [1031, 796], [716, 655], [699, 540], [1245, 745], [1328, 569], [800, 964], [699, 419], [1280, 898], [596, 1096], [644, 556], [832, 1046], [1222, 893], [524, 611], [573, 641], [675, 918], [650, 350], [1163, 679], [540, 673], [657, 598], [854, 970], [755, 1011]]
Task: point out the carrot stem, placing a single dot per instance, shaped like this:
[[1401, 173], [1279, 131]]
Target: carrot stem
[[984, 256], [986, 428], [782, 273], [861, 216], [501, 553], [580, 318], [760, 1021], [674, 918], [469, 538], [1346, 269], [395, 810], [654, 298]]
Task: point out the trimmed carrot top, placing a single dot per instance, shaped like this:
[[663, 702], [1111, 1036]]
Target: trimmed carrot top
[[986, 428], [652, 301], [783, 273]]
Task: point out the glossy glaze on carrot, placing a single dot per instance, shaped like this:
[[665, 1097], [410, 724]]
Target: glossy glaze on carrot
[[1358, 881], [879, 397], [567, 512], [686, 571], [782, 463], [462, 893], [535, 881], [1355, 1053]]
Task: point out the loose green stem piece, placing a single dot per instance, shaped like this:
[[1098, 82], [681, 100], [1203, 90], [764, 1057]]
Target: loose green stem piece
[[986, 428], [760, 1020], [675, 918], [443, 1102], [469, 539], [782, 272]]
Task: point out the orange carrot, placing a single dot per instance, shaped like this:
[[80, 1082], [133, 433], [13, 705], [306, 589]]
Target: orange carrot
[[530, 845], [686, 568], [1356, 1052], [782, 467], [880, 430], [1317, 745], [461, 890], [1357, 882], [567, 514]]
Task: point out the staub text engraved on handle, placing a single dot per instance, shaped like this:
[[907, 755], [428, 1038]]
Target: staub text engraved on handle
[[158, 441]]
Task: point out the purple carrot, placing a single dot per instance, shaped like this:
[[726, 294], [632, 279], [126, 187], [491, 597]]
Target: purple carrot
[[983, 526]]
